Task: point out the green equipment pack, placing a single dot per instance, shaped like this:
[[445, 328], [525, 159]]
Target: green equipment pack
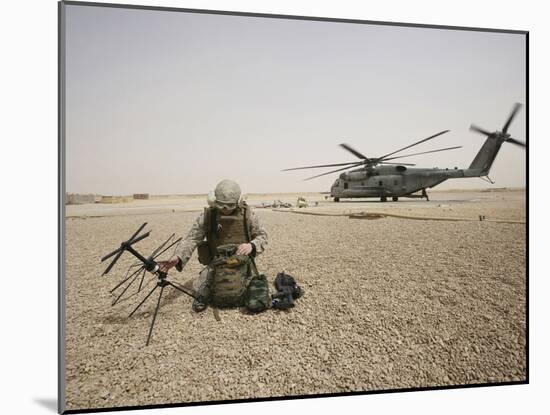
[[257, 295], [230, 279]]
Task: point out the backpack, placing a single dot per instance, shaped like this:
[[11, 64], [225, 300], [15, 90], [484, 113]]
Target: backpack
[[287, 291], [257, 295]]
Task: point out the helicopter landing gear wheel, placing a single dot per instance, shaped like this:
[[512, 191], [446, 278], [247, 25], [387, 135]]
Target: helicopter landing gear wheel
[[395, 198], [383, 199], [336, 199]]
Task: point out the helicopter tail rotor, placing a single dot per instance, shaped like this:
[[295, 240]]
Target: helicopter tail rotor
[[503, 135], [481, 165], [515, 110]]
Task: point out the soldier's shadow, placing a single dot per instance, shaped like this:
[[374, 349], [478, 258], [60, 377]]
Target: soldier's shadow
[[245, 311]]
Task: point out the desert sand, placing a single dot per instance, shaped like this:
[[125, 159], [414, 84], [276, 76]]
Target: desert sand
[[389, 303]]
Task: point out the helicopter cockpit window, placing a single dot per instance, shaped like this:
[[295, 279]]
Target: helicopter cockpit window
[[380, 183]]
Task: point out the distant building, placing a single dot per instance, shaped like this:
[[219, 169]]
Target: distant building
[[141, 196], [115, 199], [79, 199]]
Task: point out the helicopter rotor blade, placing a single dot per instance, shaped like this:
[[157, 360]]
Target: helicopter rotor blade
[[334, 171], [397, 164], [516, 142], [322, 165], [414, 144], [479, 130], [515, 110], [353, 151], [424, 152]]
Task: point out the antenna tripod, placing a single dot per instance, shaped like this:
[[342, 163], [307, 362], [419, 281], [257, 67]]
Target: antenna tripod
[[150, 265]]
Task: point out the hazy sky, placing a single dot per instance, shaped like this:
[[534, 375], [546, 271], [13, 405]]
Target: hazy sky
[[171, 102]]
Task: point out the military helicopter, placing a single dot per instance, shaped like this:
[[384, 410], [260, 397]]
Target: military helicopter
[[378, 177]]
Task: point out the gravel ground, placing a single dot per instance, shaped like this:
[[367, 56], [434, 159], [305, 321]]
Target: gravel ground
[[389, 303]]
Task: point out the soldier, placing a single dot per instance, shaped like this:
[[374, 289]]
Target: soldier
[[234, 236]]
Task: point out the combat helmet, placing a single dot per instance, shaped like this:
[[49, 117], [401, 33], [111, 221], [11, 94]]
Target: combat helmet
[[227, 195]]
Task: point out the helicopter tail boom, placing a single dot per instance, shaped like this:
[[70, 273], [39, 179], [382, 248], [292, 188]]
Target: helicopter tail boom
[[486, 156]]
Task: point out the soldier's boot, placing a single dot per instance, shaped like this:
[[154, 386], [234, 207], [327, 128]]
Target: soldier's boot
[[198, 306], [201, 302]]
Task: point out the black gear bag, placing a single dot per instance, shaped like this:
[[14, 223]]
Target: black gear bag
[[287, 291]]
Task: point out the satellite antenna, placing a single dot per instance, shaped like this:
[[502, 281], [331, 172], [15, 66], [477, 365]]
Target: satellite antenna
[[144, 265]]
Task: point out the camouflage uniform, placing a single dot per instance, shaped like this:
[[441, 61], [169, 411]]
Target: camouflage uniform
[[197, 234]]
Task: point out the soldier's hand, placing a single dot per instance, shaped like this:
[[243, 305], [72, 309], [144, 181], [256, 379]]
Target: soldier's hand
[[244, 249], [164, 266]]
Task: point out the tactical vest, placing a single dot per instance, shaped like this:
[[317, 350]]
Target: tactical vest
[[231, 273], [228, 229]]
